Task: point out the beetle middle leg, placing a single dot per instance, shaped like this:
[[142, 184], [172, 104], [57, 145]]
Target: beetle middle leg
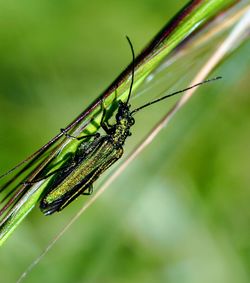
[[67, 135], [59, 170], [105, 124]]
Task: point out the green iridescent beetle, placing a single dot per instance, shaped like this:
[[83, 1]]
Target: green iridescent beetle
[[95, 154]]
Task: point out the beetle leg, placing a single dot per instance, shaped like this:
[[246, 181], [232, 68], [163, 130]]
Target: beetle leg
[[89, 191], [104, 124], [79, 138], [61, 169]]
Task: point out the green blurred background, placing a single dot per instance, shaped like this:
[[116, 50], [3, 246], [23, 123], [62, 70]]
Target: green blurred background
[[180, 212]]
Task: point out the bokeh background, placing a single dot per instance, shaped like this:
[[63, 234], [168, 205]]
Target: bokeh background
[[180, 212]]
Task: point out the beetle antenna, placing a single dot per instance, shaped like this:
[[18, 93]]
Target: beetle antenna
[[174, 93], [133, 68]]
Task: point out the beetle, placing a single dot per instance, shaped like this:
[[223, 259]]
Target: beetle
[[95, 154]]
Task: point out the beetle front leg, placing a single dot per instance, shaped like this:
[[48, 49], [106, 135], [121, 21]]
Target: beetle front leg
[[104, 124]]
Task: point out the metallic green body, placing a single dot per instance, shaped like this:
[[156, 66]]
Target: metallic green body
[[100, 155], [89, 162]]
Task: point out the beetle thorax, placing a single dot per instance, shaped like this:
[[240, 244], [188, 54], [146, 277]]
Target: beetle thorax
[[124, 121]]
